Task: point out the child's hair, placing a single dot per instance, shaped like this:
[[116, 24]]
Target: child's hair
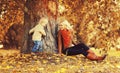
[[43, 21]]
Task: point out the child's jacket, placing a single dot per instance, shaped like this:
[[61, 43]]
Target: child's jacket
[[37, 31]]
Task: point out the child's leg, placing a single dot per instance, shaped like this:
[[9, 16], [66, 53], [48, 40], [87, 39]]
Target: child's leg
[[36, 46], [41, 47]]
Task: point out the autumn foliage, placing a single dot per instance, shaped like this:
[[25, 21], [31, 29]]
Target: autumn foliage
[[11, 18], [97, 23]]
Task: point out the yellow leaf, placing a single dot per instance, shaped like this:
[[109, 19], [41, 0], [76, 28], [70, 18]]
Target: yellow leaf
[[118, 66], [7, 67], [57, 60], [0, 67], [45, 61], [62, 70], [40, 68]]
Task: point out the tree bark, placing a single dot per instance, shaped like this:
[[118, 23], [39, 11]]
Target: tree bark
[[35, 11], [25, 47], [26, 38]]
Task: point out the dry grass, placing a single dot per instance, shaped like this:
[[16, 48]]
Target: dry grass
[[12, 62]]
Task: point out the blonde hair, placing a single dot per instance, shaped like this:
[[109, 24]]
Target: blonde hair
[[65, 24], [61, 19], [43, 21]]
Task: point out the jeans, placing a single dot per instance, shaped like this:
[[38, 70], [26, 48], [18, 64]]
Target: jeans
[[77, 49], [37, 46]]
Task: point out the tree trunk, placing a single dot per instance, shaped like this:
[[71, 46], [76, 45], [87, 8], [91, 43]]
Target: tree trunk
[[50, 40], [26, 38], [35, 11], [25, 47]]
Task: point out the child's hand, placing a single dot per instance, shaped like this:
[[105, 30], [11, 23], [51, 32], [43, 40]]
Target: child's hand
[[30, 32]]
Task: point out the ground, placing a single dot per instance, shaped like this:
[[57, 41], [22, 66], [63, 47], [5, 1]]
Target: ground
[[12, 61]]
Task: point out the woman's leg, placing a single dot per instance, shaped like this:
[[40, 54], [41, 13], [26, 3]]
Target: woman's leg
[[92, 56], [83, 49], [77, 49]]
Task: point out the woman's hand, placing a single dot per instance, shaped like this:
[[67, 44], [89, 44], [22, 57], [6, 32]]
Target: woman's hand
[[60, 54]]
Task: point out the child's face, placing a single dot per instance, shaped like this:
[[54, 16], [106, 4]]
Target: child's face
[[44, 22]]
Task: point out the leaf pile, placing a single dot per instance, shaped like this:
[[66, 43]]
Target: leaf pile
[[52, 63]]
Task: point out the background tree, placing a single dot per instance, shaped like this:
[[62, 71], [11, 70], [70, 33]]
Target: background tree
[[11, 17], [35, 9], [97, 23]]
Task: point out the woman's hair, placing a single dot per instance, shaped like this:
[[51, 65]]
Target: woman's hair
[[64, 24]]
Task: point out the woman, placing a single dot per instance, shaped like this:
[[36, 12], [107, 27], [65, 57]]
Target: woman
[[65, 44]]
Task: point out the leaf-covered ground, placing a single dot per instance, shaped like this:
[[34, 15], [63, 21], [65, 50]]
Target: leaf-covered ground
[[11, 61]]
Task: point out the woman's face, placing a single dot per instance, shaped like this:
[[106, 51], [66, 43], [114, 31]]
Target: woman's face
[[62, 26]]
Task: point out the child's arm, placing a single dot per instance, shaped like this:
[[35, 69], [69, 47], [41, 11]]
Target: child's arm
[[31, 30], [43, 32]]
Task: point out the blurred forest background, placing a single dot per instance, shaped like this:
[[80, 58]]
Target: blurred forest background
[[96, 22]]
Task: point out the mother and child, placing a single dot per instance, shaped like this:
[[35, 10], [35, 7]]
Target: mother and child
[[66, 45]]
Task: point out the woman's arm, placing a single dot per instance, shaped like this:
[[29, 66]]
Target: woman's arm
[[73, 42], [59, 43], [73, 39]]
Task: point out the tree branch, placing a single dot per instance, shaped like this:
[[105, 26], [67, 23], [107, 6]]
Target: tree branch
[[21, 5]]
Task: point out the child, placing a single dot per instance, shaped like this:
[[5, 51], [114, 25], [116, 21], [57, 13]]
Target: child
[[38, 31]]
